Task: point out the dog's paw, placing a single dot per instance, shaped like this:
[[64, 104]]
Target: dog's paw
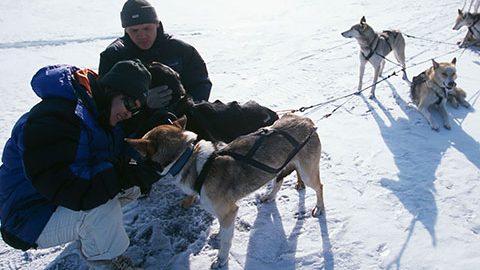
[[447, 126], [465, 104], [188, 202], [317, 211], [266, 198], [299, 185], [218, 263]]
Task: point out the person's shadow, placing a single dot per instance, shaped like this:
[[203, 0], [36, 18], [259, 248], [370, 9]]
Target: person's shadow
[[415, 186]]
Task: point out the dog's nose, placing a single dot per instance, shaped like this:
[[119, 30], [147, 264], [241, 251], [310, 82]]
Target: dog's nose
[[451, 84]]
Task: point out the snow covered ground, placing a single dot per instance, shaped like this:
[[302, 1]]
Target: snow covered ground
[[398, 195]]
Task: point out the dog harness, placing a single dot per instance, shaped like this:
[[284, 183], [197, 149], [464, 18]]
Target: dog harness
[[385, 35], [248, 158], [474, 29], [422, 78]]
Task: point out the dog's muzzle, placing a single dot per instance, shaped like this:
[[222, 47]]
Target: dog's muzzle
[[449, 85]]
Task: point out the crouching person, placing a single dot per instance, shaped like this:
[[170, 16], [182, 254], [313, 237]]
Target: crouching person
[[66, 172]]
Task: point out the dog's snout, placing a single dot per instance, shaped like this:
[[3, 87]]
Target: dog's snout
[[451, 84]]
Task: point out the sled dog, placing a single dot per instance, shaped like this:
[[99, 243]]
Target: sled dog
[[472, 22], [374, 47], [433, 87], [223, 175]]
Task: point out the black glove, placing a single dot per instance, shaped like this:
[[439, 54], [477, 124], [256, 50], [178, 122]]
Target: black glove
[[159, 97], [140, 175]]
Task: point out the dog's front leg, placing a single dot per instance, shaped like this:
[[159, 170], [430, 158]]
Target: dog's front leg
[[466, 40], [227, 226], [424, 111], [277, 184], [382, 65], [376, 70], [362, 71], [444, 114]]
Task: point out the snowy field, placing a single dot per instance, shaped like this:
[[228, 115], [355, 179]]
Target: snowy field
[[398, 195]]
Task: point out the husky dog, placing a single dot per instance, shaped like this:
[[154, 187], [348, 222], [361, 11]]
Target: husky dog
[[374, 47], [470, 20], [433, 87], [222, 176]]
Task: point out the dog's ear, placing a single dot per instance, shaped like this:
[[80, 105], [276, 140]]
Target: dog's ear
[[363, 20], [435, 64], [145, 147], [460, 12], [181, 122], [454, 61]]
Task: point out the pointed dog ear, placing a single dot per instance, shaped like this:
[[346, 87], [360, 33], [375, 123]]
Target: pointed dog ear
[[363, 20], [181, 122], [145, 147], [435, 64], [454, 61], [460, 12]]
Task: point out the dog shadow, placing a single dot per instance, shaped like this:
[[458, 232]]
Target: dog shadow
[[415, 187], [268, 225], [268, 239]]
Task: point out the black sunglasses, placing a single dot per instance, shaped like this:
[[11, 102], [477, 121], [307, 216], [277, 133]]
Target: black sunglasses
[[131, 105]]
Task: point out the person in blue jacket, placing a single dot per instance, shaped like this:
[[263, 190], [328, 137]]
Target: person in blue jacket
[[66, 171]]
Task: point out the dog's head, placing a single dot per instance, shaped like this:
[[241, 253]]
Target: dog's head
[[445, 74], [358, 30], [463, 19], [165, 143], [227, 121], [164, 75], [258, 115]]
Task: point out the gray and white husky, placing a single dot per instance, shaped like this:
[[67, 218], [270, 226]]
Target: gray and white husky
[[471, 21], [374, 47]]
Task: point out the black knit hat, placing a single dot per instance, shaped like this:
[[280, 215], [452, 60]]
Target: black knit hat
[[129, 77], [137, 12]]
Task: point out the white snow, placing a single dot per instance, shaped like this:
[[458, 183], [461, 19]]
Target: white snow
[[398, 195]]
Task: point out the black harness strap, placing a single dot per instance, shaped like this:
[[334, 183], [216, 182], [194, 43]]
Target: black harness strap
[[384, 35], [372, 51], [248, 158], [422, 78], [197, 186], [472, 28]]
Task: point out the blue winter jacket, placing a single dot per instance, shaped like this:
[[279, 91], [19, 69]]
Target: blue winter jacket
[[59, 154]]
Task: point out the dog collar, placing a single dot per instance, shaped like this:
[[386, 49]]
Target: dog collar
[[181, 161]]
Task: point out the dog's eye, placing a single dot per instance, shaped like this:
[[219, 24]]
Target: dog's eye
[[444, 74]]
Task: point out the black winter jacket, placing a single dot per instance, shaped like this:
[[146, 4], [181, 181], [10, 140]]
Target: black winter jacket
[[178, 55]]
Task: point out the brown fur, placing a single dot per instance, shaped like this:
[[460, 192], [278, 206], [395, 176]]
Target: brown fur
[[434, 87]]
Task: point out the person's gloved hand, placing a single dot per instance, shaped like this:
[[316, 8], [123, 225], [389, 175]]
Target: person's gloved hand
[[141, 175], [159, 97]]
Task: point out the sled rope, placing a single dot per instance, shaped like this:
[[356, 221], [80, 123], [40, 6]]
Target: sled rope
[[394, 73]]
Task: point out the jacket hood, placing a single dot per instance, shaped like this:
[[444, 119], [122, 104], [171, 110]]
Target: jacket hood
[[54, 81]]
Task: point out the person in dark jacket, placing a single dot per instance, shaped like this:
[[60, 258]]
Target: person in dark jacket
[[66, 171], [145, 39]]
